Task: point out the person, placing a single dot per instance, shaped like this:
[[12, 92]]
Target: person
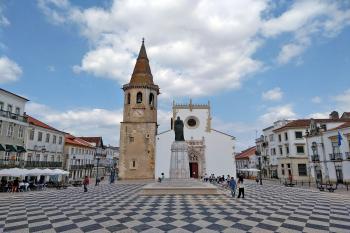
[[232, 184], [240, 189], [21, 186], [86, 183], [163, 177], [15, 185], [257, 180]]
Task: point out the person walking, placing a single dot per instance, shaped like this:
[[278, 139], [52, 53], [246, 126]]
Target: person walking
[[233, 186], [240, 189], [86, 183]]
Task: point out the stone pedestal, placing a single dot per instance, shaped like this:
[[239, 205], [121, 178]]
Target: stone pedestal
[[179, 165]]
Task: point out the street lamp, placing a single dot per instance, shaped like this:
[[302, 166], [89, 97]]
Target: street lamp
[[98, 161]]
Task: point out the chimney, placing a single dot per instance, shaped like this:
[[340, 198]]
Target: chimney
[[334, 115]]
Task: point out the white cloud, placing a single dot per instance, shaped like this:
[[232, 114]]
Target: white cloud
[[278, 113], [9, 70], [343, 101], [316, 99], [273, 94], [51, 68], [196, 48], [3, 20], [319, 115]]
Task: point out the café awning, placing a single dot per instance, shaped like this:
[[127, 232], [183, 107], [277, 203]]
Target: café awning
[[10, 148], [21, 149]]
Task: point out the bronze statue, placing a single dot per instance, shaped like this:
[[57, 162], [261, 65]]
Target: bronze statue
[[179, 130]]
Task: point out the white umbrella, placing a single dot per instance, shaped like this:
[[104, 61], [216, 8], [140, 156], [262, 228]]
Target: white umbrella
[[60, 172], [4, 172], [16, 172], [249, 170], [35, 172], [48, 172]]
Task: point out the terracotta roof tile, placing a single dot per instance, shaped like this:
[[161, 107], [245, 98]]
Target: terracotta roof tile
[[97, 140], [342, 126], [31, 120], [246, 153], [70, 139]]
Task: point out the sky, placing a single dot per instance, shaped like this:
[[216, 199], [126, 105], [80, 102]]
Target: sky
[[256, 61]]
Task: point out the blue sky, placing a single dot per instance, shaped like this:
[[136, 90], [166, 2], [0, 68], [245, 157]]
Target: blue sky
[[256, 61]]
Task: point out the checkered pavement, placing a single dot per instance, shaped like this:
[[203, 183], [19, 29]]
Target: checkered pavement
[[119, 208]]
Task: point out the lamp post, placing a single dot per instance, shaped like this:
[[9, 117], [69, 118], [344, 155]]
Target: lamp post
[[98, 161]]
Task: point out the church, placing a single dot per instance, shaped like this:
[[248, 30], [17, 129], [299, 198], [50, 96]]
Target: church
[[145, 153], [209, 151]]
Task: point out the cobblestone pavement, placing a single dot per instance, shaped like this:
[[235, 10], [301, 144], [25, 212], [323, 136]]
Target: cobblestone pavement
[[119, 208]]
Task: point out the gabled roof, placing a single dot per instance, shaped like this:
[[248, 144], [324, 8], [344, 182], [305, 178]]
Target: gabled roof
[[32, 121], [70, 139], [246, 153], [305, 123], [97, 140], [342, 126], [233, 137]]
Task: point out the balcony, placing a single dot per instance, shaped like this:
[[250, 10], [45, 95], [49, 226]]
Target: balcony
[[336, 156], [29, 164], [80, 167], [347, 155], [315, 158], [13, 116]]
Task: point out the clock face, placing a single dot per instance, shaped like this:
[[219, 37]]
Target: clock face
[[138, 112]]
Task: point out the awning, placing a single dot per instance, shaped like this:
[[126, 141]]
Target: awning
[[10, 148], [20, 149], [2, 148], [249, 170]]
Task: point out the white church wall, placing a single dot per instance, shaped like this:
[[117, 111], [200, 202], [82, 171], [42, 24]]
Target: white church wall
[[163, 153]]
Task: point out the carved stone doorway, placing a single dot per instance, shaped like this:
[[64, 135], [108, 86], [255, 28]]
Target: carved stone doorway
[[196, 157]]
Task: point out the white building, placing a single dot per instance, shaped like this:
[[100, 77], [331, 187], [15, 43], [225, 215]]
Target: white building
[[44, 145], [329, 159], [112, 157], [79, 157], [13, 124], [210, 151], [247, 159]]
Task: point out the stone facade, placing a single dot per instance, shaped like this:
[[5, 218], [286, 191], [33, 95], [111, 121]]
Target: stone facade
[[139, 126]]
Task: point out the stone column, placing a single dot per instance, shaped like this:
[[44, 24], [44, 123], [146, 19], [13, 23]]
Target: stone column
[[179, 165]]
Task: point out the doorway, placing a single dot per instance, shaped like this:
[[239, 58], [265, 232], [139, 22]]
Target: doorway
[[194, 170]]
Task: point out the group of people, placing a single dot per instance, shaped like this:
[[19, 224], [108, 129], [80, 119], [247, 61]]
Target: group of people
[[228, 182], [234, 185], [17, 185]]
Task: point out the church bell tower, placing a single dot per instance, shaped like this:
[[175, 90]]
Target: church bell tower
[[139, 127]]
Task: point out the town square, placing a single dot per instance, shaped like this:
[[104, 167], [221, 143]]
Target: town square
[[174, 116]]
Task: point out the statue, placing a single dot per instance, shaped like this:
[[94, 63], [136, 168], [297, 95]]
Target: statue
[[179, 130]]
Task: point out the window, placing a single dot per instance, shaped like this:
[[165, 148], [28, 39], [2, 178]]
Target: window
[[10, 130], [31, 135], [335, 147], [128, 98], [29, 158], [271, 137], [131, 139], [139, 98], [281, 150], [60, 140], [18, 110], [54, 139], [7, 156], [287, 150], [72, 150], [282, 169], [298, 134], [47, 138], [45, 158], [133, 163], [286, 136], [288, 165], [40, 136], [20, 132], [59, 158], [273, 151], [9, 108], [1, 105], [151, 99], [52, 158], [279, 137], [300, 149], [302, 169], [0, 127], [37, 158]]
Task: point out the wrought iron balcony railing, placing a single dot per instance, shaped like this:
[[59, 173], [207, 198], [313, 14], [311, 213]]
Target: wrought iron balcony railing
[[336, 156], [315, 158], [78, 167], [29, 164], [13, 116]]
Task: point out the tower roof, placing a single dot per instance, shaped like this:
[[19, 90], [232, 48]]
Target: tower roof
[[142, 72]]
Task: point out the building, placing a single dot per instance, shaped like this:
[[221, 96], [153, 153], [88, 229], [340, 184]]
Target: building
[[210, 151], [266, 146], [13, 124], [139, 127], [44, 145], [247, 159], [79, 159], [112, 157], [100, 155], [328, 146]]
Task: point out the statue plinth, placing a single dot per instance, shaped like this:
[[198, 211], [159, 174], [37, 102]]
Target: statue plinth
[[179, 165]]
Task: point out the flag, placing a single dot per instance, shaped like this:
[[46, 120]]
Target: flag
[[339, 138]]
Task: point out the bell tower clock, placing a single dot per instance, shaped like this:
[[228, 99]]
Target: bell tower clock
[[139, 127]]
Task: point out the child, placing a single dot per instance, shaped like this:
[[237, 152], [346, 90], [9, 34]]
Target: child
[[240, 188], [233, 185], [86, 183]]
